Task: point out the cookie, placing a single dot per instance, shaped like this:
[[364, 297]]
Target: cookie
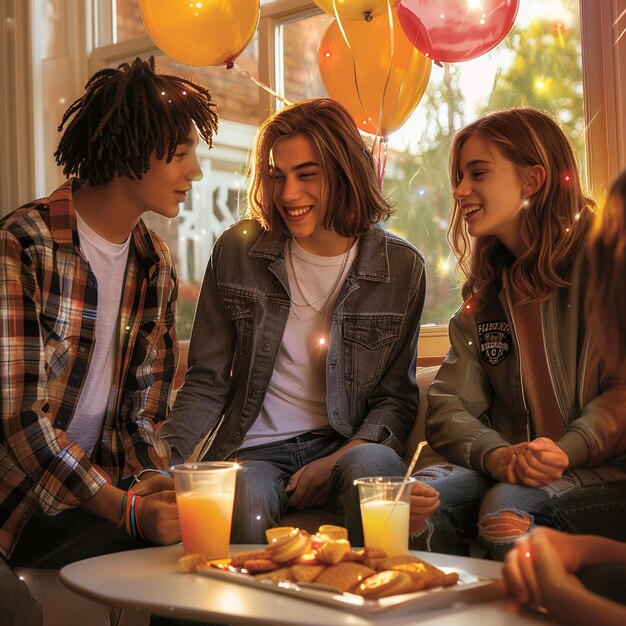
[[333, 532], [305, 573], [344, 576], [241, 557], [273, 534], [260, 565], [277, 576]]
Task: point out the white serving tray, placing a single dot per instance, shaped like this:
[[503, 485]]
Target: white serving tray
[[470, 588]]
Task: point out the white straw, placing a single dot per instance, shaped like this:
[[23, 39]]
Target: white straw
[[409, 470]]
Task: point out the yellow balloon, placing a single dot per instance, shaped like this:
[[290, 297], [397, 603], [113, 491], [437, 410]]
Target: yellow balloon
[[355, 9], [211, 32], [380, 89]]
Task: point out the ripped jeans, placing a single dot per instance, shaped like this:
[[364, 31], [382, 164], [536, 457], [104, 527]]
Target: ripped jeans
[[584, 500]]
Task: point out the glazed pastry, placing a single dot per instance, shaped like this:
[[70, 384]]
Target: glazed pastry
[[383, 584], [290, 547], [333, 551]]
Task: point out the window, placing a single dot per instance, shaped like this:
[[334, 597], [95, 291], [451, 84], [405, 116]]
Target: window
[[539, 63]]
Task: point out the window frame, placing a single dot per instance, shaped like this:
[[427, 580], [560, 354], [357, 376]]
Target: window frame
[[22, 176]]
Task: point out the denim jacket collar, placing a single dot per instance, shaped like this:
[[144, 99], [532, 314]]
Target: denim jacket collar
[[372, 262]]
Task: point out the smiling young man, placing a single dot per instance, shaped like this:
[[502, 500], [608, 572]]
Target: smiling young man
[[87, 307], [303, 351]]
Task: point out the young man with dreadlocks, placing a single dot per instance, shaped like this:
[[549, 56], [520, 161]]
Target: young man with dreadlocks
[[87, 304]]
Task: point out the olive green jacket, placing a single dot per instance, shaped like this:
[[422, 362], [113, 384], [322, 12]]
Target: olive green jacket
[[476, 401]]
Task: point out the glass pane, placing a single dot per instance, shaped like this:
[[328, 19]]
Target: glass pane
[[300, 41], [128, 20]]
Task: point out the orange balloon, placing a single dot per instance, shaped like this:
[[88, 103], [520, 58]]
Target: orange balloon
[[355, 9], [380, 89], [211, 32]]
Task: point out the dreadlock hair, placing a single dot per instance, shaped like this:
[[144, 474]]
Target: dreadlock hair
[[126, 115]]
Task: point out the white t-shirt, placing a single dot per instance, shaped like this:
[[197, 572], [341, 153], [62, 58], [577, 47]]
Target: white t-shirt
[[108, 263], [295, 402]]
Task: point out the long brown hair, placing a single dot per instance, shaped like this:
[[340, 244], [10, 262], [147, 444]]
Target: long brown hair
[[554, 223], [351, 188], [606, 298]]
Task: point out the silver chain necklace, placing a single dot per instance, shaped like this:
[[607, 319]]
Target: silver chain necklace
[[318, 312]]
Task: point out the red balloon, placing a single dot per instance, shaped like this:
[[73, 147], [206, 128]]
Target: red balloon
[[449, 31]]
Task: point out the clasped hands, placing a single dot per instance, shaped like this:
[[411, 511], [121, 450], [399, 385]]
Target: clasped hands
[[532, 463]]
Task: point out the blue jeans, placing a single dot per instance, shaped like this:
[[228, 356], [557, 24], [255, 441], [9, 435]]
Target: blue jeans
[[585, 500], [260, 498]]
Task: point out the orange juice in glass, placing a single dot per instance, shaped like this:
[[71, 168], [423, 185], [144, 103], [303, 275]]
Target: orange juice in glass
[[384, 514], [204, 494]]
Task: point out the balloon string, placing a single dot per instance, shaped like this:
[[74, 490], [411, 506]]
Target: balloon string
[[388, 79], [231, 64], [379, 152]]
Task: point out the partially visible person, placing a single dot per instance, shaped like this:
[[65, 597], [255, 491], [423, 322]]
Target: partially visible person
[[304, 345], [559, 572], [606, 299], [87, 308], [578, 579], [531, 424]]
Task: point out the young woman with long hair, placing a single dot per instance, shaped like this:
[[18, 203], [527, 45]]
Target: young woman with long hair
[[531, 425]]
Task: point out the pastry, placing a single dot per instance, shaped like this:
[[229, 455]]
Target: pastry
[[290, 547], [386, 583], [333, 551], [188, 562]]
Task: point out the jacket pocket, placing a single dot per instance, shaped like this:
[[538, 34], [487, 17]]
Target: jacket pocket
[[368, 342], [240, 307]]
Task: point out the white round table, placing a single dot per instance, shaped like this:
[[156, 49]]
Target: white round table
[[148, 580]]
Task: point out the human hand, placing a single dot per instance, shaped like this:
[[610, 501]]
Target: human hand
[[310, 485], [540, 462], [424, 504], [153, 482], [500, 463], [158, 517], [539, 570]]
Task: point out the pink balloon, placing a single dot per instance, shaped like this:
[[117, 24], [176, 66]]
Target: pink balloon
[[449, 31]]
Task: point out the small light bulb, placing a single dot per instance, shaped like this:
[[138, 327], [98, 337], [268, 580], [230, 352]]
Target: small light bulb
[[322, 341]]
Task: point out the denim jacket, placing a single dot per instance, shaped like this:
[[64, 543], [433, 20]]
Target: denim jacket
[[240, 320]]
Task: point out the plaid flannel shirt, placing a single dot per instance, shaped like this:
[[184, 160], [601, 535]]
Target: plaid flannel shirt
[[48, 303]]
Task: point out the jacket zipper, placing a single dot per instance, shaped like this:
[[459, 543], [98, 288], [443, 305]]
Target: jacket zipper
[[519, 361], [557, 395]]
